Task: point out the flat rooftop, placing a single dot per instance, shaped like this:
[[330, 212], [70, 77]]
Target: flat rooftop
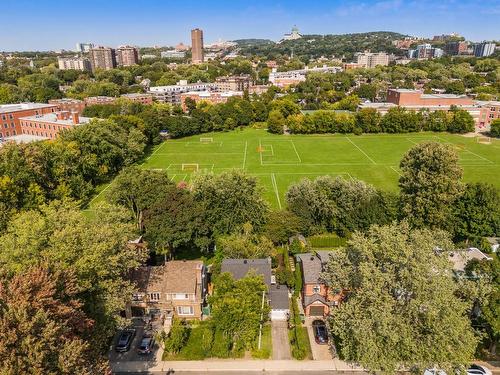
[[6, 108], [52, 118], [24, 138]]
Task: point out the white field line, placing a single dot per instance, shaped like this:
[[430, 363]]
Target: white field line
[[275, 186], [102, 191], [409, 140], [244, 155], [172, 178], [296, 153], [364, 153], [465, 149], [395, 170], [204, 153], [155, 151]]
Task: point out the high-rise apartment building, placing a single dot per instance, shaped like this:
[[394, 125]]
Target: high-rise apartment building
[[483, 49], [455, 48], [127, 56], [425, 51], [371, 60], [84, 47], [102, 58], [197, 46], [76, 63]]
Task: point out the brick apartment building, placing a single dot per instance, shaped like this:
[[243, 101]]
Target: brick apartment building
[[76, 63], [127, 56], [11, 113], [102, 58], [67, 104], [233, 83], [197, 46], [92, 100], [49, 125], [208, 96], [146, 99]]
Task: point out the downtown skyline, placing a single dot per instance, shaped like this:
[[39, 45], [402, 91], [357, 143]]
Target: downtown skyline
[[152, 22]]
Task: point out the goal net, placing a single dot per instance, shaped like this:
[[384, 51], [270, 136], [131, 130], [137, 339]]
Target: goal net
[[206, 140], [190, 167]]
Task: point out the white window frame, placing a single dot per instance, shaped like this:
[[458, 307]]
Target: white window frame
[[181, 312], [180, 296]]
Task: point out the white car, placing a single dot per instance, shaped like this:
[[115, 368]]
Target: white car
[[473, 369]]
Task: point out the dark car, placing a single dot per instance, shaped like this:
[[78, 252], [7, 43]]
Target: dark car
[[125, 340], [320, 333], [146, 345]]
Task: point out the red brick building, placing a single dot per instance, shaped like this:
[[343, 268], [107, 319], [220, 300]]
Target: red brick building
[[67, 104], [407, 97], [11, 113], [49, 125], [208, 96]]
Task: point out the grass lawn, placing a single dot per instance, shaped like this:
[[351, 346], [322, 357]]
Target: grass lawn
[[279, 160], [266, 348]]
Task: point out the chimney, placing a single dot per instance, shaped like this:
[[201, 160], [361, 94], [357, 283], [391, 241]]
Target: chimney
[[75, 117]]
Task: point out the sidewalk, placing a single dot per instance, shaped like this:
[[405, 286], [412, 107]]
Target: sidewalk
[[236, 365]]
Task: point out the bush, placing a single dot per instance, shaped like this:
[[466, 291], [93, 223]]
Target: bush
[[177, 337], [495, 128], [299, 338], [221, 346], [298, 280]]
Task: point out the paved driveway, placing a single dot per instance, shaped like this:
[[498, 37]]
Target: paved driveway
[[281, 343], [132, 354], [319, 352]]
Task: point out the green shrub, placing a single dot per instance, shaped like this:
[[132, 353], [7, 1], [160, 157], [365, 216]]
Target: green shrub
[[299, 339], [177, 337], [221, 345], [298, 280]]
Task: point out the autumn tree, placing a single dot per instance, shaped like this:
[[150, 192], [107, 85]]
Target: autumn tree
[[43, 329], [430, 184], [402, 309]]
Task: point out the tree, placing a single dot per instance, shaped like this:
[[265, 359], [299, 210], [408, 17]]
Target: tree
[[477, 212], [245, 245], [237, 308], [368, 119], [175, 220], [177, 337], [430, 184], [96, 250], [42, 325], [275, 122], [495, 128], [229, 200], [367, 91], [461, 121], [401, 309], [281, 225], [138, 189]]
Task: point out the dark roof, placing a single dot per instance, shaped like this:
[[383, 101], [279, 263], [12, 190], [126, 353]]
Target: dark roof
[[278, 296], [240, 267], [312, 265], [315, 297]]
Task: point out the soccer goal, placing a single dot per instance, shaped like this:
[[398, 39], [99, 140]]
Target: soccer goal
[[483, 139], [206, 140], [190, 167]]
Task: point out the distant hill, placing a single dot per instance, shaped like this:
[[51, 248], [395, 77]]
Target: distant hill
[[252, 42], [313, 46]]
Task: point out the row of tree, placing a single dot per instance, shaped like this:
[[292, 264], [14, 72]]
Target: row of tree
[[368, 120]]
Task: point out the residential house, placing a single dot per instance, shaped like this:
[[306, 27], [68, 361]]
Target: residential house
[[460, 258], [177, 288], [277, 294], [317, 298]]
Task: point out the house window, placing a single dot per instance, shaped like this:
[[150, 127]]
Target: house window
[[135, 296], [155, 296], [316, 288], [181, 296], [185, 310]]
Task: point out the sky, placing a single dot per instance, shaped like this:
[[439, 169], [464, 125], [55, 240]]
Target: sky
[[28, 25]]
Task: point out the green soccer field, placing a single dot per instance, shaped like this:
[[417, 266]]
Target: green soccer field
[[279, 160]]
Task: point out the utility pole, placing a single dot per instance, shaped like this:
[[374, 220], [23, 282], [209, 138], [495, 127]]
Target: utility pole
[[261, 317]]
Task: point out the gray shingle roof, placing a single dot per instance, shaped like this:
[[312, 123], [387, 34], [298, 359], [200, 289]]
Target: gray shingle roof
[[278, 296], [312, 265], [240, 267]]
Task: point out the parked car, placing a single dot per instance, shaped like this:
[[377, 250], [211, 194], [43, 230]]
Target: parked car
[[320, 333], [146, 345], [475, 369], [125, 340]]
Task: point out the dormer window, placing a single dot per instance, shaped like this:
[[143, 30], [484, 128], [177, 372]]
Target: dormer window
[[317, 289]]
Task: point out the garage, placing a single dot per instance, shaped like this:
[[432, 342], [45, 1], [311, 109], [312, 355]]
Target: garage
[[278, 299], [316, 310]]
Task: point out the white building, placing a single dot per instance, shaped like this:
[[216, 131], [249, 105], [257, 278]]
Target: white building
[[76, 63], [291, 77], [172, 93], [84, 47], [172, 54], [293, 35], [371, 60], [483, 49]]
